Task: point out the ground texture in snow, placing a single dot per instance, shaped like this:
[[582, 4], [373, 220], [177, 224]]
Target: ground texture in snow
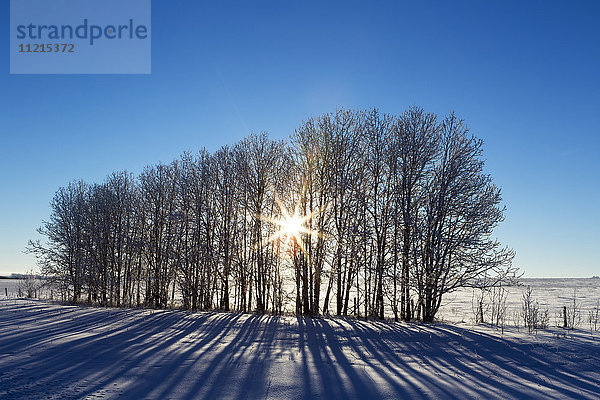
[[53, 351]]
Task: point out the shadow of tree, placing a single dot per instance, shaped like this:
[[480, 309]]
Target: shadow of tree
[[78, 352]]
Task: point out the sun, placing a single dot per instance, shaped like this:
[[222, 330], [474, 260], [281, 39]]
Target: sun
[[291, 225], [290, 232]]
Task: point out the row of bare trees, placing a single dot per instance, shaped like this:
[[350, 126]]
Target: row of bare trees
[[396, 211]]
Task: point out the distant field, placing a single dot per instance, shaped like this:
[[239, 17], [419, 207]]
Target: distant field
[[8, 286], [551, 293], [56, 352]]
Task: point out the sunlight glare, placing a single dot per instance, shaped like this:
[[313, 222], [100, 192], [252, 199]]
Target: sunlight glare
[[291, 228]]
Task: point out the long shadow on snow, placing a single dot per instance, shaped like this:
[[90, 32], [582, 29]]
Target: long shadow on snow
[[162, 354]]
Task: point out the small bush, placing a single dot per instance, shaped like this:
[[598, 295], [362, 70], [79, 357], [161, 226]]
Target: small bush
[[572, 313], [516, 318], [489, 304], [533, 317], [543, 320], [28, 286], [479, 306], [594, 317], [498, 297]]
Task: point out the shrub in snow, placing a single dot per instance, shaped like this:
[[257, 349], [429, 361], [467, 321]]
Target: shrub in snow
[[572, 313], [594, 317], [533, 317], [28, 286]]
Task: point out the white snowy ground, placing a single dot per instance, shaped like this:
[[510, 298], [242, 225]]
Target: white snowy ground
[[56, 352], [551, 293]]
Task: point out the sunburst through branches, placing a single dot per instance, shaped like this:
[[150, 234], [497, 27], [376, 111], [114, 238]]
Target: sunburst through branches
[[291, 231]]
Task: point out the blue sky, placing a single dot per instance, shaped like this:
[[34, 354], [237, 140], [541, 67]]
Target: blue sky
[[524, 77]]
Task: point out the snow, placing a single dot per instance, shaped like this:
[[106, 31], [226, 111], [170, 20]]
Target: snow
[[551, 293], [54, 351]]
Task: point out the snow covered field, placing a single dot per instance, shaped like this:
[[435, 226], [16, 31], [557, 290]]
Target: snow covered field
[[551, 293], [53, 351], [8, 287]]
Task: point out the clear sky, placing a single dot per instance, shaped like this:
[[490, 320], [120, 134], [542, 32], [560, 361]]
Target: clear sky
[[525, 77]]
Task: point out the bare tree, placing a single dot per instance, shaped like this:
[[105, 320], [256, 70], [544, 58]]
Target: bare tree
[[387, 209], [262, 161], [415, 148], [158, 193], [63, 256], [460, 213]]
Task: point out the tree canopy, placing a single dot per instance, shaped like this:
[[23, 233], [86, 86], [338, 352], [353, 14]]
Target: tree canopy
[[358, 213]]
